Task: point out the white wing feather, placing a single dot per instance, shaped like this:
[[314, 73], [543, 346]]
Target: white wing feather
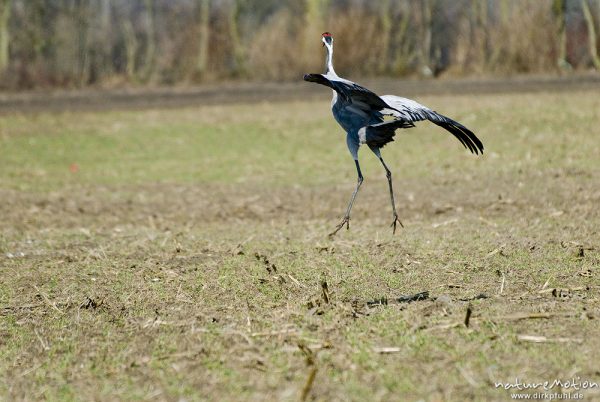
[[408, 109]]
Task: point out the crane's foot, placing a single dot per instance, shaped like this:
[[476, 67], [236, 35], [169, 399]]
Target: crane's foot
[[396, 221], [345, 221]]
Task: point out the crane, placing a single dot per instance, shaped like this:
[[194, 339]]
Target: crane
[[361, 113]]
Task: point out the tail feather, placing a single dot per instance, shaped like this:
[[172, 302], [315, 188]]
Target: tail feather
[[378, 135]]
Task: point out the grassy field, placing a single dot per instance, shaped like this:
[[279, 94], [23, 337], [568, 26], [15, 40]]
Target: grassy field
[[183, 254]]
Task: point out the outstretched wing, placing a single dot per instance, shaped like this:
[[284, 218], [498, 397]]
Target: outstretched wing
[[349, 91], [410, 110]]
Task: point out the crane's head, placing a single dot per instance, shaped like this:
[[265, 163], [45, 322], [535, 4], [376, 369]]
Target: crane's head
[[327, 39]]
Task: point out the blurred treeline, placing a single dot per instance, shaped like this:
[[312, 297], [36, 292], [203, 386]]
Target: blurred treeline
[[71, 43]]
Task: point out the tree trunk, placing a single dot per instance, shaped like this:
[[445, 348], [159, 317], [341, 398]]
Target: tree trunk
[[150, 42], [82, 17], [311, 13], [404, 53], [5, 6], [589, 20], [203, 40], [237, 50], [131, 47], [386, 28], [314, 12], [495, 52], [560, 11], [104, 64], [482, 17], [426, 21]]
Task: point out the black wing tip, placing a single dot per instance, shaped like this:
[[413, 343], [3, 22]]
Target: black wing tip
[[475, 142], [475, 145], [463, 134]]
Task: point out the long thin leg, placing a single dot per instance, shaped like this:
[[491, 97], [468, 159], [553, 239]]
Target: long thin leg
[[346, 219], [388, 173]]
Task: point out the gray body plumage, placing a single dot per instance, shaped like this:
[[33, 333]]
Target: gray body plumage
[[352, 118]]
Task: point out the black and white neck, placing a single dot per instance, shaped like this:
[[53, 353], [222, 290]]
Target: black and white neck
[[328, 43]]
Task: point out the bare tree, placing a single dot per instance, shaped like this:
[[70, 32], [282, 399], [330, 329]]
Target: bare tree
[[237, 50], [101, 41], [385, 16], [203, 39], [426, 34], [5, 7], [82, 21], [404, 53], [589, 20], [131, 47], [504, 21], [560, 14], [313, 26], [150, 49]]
